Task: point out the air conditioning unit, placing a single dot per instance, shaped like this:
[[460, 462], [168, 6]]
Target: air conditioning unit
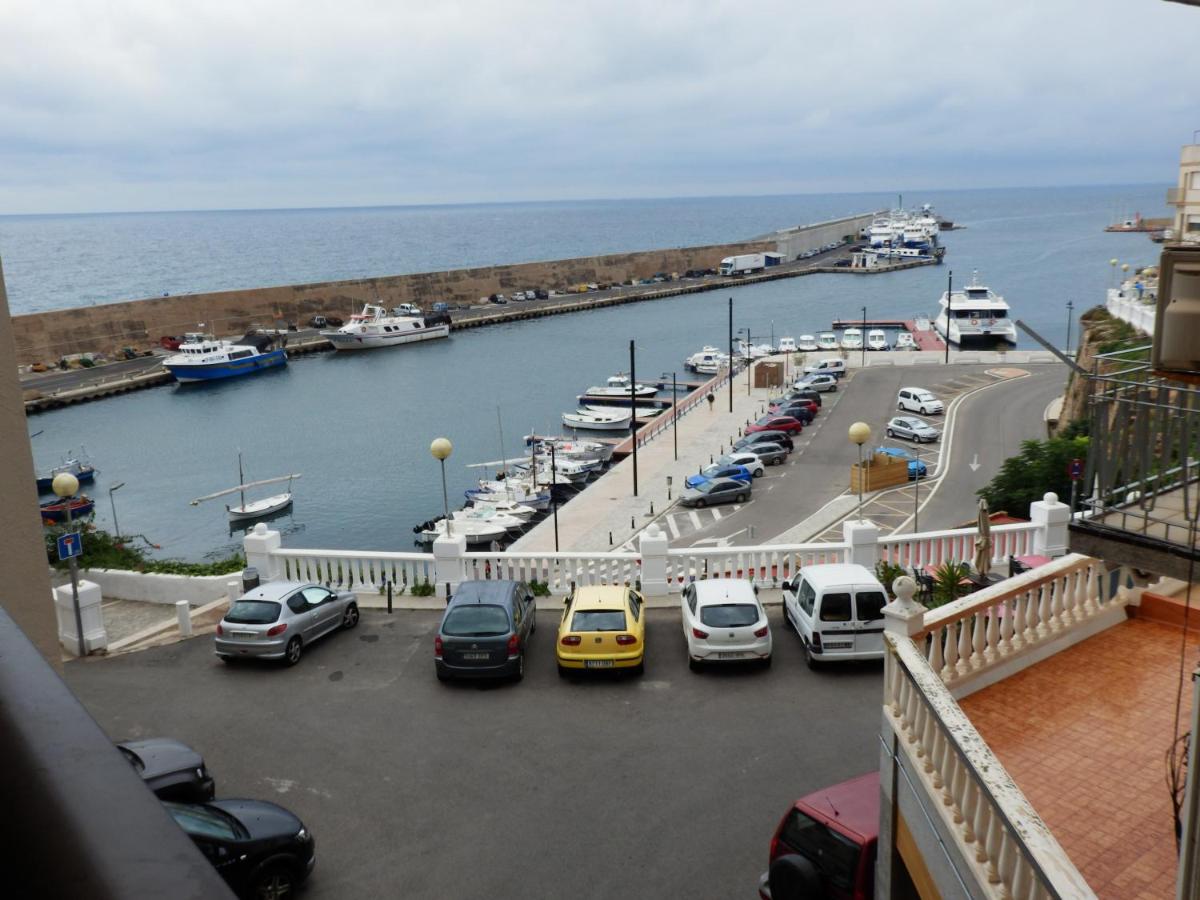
[[1177, 319]]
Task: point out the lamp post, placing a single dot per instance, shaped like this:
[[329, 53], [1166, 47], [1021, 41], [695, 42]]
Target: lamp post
[[1070, 317], [949, 300], [675, 413], [860, 433], [65, 487], [864, 337], [112, 503], [1112, 271], [441, 448], [748, 365], [633, 414], [731, 354], [554, 500]]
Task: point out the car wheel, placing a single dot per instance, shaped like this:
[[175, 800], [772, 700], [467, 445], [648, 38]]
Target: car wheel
[[563, 671], [809, 660], [533, 625], [758, 473], [833, 388], [274, 883], [701, 503], [520, 673], [740, 498], [295, 649], [442, 676], [693, 664], [350, 617], [891, 433]]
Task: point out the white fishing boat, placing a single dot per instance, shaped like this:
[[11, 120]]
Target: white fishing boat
[[617, 388], [253, 509], [510, 490], [508, 507], [787, 345], [617, 420], [974, 314], [852, 339], [570, 448], [807, 343], [708, 355], [877, 339], [377, 326], [827, 340], [476, 533], [640, 412], [489, 514]]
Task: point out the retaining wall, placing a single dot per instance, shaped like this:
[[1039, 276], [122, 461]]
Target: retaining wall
[[155, 587]]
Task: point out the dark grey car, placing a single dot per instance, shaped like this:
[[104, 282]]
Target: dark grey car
[[173, 770], [711, 493], [485, 630], [750, 441]]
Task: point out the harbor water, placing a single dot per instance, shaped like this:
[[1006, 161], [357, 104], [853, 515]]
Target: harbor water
[[358, 426]]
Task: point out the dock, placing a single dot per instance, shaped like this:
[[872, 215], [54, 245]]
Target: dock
[[928, 340]]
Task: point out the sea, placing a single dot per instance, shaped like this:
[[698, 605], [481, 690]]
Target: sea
[[358, 426]]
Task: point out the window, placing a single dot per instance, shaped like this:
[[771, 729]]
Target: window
[[807, 597], [835, 855], [691, 600], [598, 620], [476, 620], [297, 603], [1193, 224], [729, 615], [205, 821], [253, 612], [241, 354], [835, 608], [315, 596], [870, 605], [635, 605]]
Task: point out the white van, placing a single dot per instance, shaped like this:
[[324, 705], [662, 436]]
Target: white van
[[837, 609], [918, 400], [835, 367]]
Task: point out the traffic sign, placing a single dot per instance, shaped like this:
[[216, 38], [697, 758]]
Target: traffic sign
[[70, 545], [1075, 469]]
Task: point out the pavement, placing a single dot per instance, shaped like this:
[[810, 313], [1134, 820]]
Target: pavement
[[661, 786]]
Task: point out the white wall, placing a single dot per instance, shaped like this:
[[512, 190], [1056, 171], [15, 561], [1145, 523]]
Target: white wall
[[153, 587]]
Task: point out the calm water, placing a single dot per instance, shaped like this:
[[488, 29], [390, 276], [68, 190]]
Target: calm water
[[358, 426]]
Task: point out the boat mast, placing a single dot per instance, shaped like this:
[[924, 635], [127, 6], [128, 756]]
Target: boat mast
[[500, 430], [241, 479]]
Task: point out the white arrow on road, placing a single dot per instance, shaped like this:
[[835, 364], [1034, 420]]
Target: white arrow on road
[[974, 463], [716, 542]]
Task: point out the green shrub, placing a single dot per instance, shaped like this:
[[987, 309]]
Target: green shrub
[[424, 589], [539, 588], [1041, 466], [103, 551], [948, 582], [888, 572]]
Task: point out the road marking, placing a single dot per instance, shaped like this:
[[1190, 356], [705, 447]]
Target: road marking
[[974, 463], [695, 517], [716, 514], [672, 527]]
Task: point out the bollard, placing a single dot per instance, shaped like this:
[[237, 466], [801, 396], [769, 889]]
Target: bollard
[[710, 459], [610, 539], [739, 432], [183, 613], [651, 507], [632, 522], [389, 587]]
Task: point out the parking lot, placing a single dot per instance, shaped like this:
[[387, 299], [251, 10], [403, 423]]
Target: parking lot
[[666, 785]]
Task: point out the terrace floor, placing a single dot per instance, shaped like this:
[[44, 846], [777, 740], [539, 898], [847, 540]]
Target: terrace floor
[[1085, 735]]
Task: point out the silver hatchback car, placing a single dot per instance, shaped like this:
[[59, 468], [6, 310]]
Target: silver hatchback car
[[280, 618]]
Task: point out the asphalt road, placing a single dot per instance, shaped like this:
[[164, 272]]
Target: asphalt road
[[668, 785]]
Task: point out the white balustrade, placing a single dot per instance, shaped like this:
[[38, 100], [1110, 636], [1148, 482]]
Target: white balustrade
[[915, 551], [356, 569], [1008, 850], [768, 564], [556, 570]]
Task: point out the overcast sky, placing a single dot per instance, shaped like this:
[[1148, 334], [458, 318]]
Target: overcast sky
[[146, 104]]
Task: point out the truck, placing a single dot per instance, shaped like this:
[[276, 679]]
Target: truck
[[743, 263]]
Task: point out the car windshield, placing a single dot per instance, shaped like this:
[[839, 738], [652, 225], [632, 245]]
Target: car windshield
[[253, 612], [834, 854], [766, 420], [206, 821], [476, 620], [729, 615], [708, 487], [598, 620]]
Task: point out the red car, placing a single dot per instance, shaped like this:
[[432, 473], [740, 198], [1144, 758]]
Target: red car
[[825, 845], [786, 424], [785, 402]]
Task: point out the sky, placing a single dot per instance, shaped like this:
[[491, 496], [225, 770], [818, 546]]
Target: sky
[[145, 105]]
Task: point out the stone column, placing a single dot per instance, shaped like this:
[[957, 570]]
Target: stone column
[[863, 538], [1052, 519], [904, 616], [653, 545], [448, 562], [260, 544]]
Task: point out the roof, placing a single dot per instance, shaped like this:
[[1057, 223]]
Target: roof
[[487, 591], [599, 596], [720, 590], [853, 804], [826, 574], [275, 591]]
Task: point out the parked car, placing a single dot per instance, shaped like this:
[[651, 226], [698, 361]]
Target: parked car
[[918, 400], [820, 382], [802, 411], [825, 845], [723, 621], [793, 400], [260, 849], [280, 618], [711, 493], [750, 441], [786, 424], [800, 392], [172, 770], [912, 429], [750, 459], [834, 365], [325, 322], [718, 471], [440, 307], [837, 610], [603, 627], [771, 454], [916, 467], [485, 631]]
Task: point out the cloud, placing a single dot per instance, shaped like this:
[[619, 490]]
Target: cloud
[[133, 104]]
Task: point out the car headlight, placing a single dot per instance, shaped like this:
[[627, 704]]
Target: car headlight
[[303, 835], [200, 772]]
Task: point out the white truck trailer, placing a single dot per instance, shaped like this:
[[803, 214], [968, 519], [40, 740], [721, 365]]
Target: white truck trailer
[[743, 263]]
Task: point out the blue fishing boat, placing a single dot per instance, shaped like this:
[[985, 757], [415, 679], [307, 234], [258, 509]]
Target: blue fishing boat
[[77, 466], [204, 358]]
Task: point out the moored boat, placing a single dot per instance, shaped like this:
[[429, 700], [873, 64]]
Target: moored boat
[[76, 465], [56, 510], [377, 326], [807, 343], [253, 509], [827, 340], [475, 532], [202, 357], [617, 420], [974, 314], [618, 388]]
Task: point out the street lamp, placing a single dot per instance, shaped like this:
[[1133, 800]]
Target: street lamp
[[1112, 271], [441, 448], [863, 335], [860, 433], [65, 487], [1070, 318], [112, 503], [746, 347]]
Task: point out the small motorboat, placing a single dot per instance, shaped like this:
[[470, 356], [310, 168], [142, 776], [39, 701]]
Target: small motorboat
[[76, 465], [807, 343], [827, 340], [904, 341], [475, 532], [852, 339], [253, 509], [570, 448], [708, 355], [515, 490], [640, 412], [618, 387], [877, 339], [516, 510], [56, 510], [616, 420], [787, 345], [490, 515]]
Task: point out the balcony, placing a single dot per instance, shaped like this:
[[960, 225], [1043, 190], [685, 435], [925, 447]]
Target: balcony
[[1143, 472]]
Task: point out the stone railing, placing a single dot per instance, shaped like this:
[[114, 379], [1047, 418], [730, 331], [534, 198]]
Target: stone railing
[[768, 565], [354, 568], [936, 547], [556, 570], [997, 840]]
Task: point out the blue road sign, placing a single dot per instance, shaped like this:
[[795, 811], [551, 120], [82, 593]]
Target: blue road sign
[[70, 545], [1075, 469]]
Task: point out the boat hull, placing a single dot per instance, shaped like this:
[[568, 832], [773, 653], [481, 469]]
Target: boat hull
[[258, 508], [55, 511], [84, 474], [590, 423], [343, 341], [185, 373]]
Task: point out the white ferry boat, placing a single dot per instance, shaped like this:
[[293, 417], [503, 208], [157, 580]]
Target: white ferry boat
[[201, 357], [976, 313], [377, 326]]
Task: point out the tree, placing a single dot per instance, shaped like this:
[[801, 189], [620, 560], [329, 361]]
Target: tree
[[1041, 466]]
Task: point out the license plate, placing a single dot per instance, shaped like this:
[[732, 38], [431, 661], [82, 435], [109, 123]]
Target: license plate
[[475, 656], [599, 663], [838, 645], [729, 655], [248, 635]]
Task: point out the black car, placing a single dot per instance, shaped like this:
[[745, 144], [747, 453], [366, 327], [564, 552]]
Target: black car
[[803, 394], [174, 771], [801, 411], [260, 849], [765, 437], [484, 631]]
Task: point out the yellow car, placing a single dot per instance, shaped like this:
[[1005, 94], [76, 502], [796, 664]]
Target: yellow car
[[602, 627]]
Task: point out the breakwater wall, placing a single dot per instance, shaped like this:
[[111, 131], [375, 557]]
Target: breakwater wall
[[47, 336]]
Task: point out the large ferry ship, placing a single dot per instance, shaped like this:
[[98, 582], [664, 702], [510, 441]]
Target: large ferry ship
[[201, 357], [974, 314]]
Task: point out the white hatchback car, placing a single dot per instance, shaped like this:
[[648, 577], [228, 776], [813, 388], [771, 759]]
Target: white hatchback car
[[724, 622], [918, 400]]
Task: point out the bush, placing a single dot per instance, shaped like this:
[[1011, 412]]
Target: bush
[[539, 588], [103, 551], [424, 589], [1041, 466], [888, 572], [948, 582]]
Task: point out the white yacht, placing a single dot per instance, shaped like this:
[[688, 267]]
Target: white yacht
[[852, 339], [787, 345], [376, 326], [904, 341], [827, 340], [617, 420], [807, 344], [708, 361], [877, 339], [975, 313], [618, 388]]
